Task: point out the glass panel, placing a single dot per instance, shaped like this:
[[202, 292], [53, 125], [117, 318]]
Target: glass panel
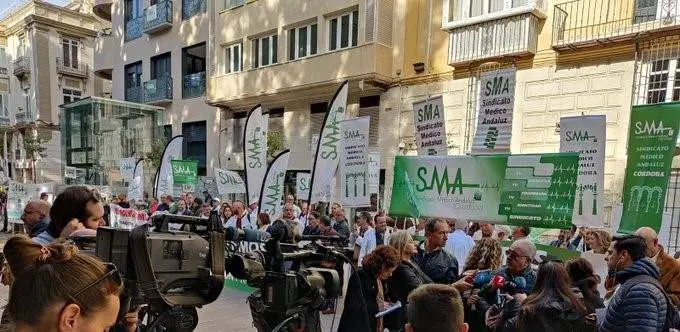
[[291, 44], [302, 42], [355, 27], [344, 31], [256, 53], [476, 7], [74, 55], [265, 51], [227, 57], [275, 46], [67, 53], [313, 38], [237, 57], [333, 40]]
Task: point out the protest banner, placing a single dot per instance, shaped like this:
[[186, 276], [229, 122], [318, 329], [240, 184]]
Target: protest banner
[[495, 105], [327, 155], [271, 195], [19, 194], [652, 138], [184, 171], [354, 163], [586, 135], [302, 185], [374, 172], [525, 190], [163, 184], [120, 217], [229, 182], [430, 127], [255, 151], [127, 168]]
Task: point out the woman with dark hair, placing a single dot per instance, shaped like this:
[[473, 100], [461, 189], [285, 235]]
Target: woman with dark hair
[[365, 292], [585, 280], [75, 209], [553, 306], [263, 221]]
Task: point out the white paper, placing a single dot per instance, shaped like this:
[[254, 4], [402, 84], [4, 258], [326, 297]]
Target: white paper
[[354, 163], [373, 172], [229, 182]]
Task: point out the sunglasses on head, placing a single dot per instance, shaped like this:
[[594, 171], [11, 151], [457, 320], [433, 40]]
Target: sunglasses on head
[[111, 274]]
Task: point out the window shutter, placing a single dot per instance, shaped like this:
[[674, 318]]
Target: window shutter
[[370, 106], [385, 22], [370, 20]]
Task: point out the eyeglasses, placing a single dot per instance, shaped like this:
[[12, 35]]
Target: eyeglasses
[[29, 212], [112, 274], [512, 253]]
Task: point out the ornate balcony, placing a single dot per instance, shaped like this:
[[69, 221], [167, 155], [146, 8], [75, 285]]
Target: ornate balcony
[[588, 23], [134, 94], [193, 7], [158, 91], [22, 66], [193, 85], [133, 29], [158, 17], [75, 68]]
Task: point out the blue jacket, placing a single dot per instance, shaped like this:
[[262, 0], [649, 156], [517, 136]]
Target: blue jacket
[[642, 308]]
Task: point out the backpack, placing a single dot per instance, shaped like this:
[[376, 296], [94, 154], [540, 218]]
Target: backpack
[[672, 316]]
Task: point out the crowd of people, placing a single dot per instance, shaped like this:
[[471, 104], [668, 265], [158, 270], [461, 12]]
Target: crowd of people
[[457, 278]]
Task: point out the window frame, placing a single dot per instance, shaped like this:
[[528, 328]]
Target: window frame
[[257, 48], [4, 105], [72, 93], [295, 33], [228, 56], [352, 36], [139, 70], [73, 44]]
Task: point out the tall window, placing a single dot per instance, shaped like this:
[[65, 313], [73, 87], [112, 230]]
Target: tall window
[[239, 126], [460, 9], [195, 144], [133, 9], [4, 104], [3, 59], [70, 51], [660, 81], [343, 31], [265, 51], [193, 70], [167, 133], [71, 95], [233, 58], [21, 46], [302, 41], [160, 66], [133, 82]]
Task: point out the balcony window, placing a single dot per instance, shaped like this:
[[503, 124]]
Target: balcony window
[[133, 82], [3, 61], [233, 58], [265, 51], [191, 8], [302, 42], [343, 31], [462, 9], [70, 51], [134, 9], [193, 70], [195, 145], [160, 66], [71, 95]]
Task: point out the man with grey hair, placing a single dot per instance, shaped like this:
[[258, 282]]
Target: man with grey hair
[[459, 244], [290, 199]]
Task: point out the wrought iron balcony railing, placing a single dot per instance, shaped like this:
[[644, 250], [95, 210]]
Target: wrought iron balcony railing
[[133, 28], [585, 23], [193, 7], [193, 85], [158, 17], [158, 91], [134, 94], [21, 65], [74, 68]]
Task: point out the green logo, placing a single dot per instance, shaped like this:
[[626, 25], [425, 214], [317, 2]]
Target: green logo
[[442, 182], [255, 149], [332, 136]]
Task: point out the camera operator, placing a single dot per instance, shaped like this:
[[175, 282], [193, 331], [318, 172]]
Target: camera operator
[[76, 211]]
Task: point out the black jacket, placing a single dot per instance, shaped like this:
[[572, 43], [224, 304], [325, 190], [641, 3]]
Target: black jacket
[[342, 227], [405, 278], [360, 303], [439, 265], [556, 315]]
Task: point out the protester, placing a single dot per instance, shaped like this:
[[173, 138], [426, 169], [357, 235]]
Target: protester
[[253, 209], [73, 211], [563, 240], [365, 291], [598, 240], [58, 288], [44, 197], [405, 278], [165, 204], [356, 239], [290, 199], [123, 202], [196, 207], [585, 280], [153, 206], [205, 211], [312, 224], [485, 255], [324, 227], [639, 304], [458, 243], [520, 232], [669, 267], [503, 232], [485, 230], [182, 208], [552, 307], [289, 217], [435, 308], [438, 264], [263, 221], [240, 218], [36, 217], [304, 216], [374, 237], [341, 225]]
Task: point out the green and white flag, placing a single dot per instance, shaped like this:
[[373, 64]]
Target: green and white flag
[[255, 151], [163, 184], [229, 182], [586, 135], [271, 195], [184, 172], [354, 163], [302, 184], [527, 190], [652, 137]]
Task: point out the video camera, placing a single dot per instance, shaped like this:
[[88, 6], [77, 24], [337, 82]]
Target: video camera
[[288, 286], [171, 273]]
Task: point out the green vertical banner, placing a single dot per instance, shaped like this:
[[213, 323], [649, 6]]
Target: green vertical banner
[[184, 171], [651, 145]]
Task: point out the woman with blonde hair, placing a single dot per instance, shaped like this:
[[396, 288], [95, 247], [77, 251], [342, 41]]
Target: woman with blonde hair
[[598, 240], [485, 255]]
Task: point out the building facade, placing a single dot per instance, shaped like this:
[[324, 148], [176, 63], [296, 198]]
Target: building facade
[[155, 54], [46, 59]]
